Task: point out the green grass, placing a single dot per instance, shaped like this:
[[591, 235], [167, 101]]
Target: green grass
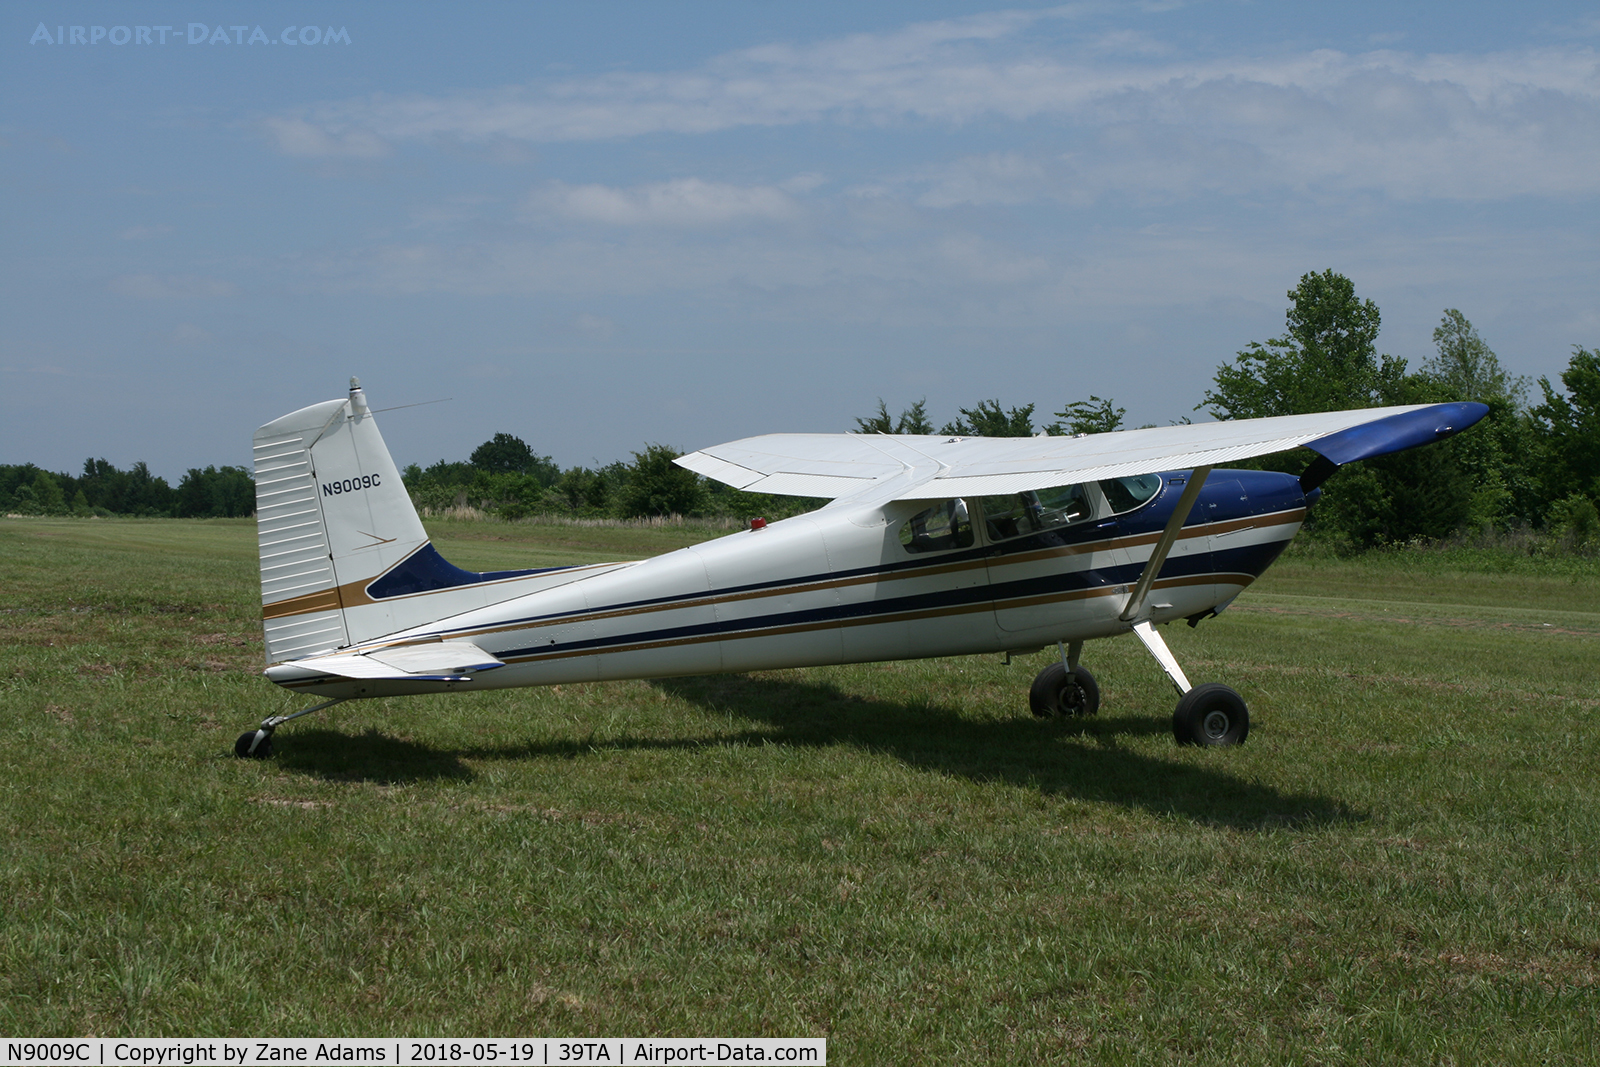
[[1401, 864]]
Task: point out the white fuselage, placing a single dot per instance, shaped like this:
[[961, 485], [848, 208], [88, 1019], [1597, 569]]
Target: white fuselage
[[838, 585]]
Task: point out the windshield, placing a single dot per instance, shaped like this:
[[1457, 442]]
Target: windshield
[[1125, 494]]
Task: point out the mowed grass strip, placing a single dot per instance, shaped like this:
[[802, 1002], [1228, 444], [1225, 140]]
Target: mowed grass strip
[[1400, 865]]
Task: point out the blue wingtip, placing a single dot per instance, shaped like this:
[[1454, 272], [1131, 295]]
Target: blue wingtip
[[1396, 433]]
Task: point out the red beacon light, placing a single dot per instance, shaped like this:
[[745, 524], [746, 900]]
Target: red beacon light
[[758, 523]]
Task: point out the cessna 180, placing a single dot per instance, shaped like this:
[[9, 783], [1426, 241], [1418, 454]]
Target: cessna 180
[[931, 546]]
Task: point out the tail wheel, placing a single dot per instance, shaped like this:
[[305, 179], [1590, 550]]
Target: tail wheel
[[1211, 714], [253, 744], [1058, 691]]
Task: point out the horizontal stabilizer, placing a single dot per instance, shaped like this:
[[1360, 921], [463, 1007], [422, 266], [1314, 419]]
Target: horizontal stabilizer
[[435, 661]]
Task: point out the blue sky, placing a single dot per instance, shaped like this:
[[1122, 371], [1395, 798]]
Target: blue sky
[[596, 225]]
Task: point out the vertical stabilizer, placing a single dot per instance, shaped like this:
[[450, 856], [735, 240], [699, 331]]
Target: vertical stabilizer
[[331, 515]]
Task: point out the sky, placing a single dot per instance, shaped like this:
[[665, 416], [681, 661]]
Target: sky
[[599, 225]]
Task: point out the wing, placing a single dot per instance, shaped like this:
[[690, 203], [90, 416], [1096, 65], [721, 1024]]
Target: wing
[[894, 467]]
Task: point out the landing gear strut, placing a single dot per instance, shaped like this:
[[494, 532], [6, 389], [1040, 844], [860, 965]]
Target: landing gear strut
[[1209, 714], [257, 743]]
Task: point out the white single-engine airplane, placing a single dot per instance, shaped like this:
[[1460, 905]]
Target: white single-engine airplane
[[931, 546]]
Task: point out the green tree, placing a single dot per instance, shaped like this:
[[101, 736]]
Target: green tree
[[988, 419], [1496, 459], [1576, 519], [1088, 416], [1327, 361], [105, 486], [217, 493], [502, 454], [47, 494], [1569, 427], [879, 423], [16, 485], [505, 454], [1467, 367], [913, 420], [148, 494], [658, 487]]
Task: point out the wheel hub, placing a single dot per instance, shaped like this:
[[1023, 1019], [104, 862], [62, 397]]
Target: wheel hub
[[1216, 724]]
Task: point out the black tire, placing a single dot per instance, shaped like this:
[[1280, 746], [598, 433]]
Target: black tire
[[241, 747], [1056, 692], [1211, 714]]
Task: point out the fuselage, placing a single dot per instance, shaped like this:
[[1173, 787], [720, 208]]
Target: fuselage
[[905, 580]]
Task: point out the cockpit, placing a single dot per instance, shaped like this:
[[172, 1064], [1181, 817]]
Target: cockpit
[[949, 524]]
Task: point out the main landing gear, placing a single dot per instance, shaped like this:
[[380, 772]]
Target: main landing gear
[[1064, 688], [1209, 714], [257, 743]]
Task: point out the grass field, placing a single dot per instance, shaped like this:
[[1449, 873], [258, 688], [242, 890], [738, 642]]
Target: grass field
[[1400, 866]]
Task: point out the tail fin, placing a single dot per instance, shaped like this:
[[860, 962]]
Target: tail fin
[[331, 515]]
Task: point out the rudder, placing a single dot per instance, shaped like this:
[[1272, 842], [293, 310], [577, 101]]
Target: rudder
[[331, 515]]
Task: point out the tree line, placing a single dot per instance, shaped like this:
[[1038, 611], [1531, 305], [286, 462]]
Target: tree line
[[1533, 463], [105, 490], [505, 477]]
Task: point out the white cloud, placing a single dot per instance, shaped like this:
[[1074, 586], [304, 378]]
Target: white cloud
[[682, 202], [1413, 125], [1005, 178], [297, 137]]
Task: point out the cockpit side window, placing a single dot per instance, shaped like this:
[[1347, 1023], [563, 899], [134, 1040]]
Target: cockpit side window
[[1020, 514], [943, 526], [1125, 494]]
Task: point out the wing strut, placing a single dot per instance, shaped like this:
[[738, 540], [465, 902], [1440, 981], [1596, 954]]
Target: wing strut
[[1158, 555]]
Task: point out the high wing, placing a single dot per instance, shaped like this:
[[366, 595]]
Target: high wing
[[904, 467]]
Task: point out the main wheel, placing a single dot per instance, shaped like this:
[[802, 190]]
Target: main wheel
[[263, 749], [1056, 691], [1211, 714]]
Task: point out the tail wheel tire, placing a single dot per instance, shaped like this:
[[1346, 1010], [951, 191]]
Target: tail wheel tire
[[1211, 714], [1058, 691], [247, 747]]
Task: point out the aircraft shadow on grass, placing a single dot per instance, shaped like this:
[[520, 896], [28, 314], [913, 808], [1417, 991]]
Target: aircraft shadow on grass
[[370, 756], [1023, 751], [1080, 758]]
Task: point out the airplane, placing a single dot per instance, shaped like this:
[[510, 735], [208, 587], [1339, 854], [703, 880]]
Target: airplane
[[929, 546]]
